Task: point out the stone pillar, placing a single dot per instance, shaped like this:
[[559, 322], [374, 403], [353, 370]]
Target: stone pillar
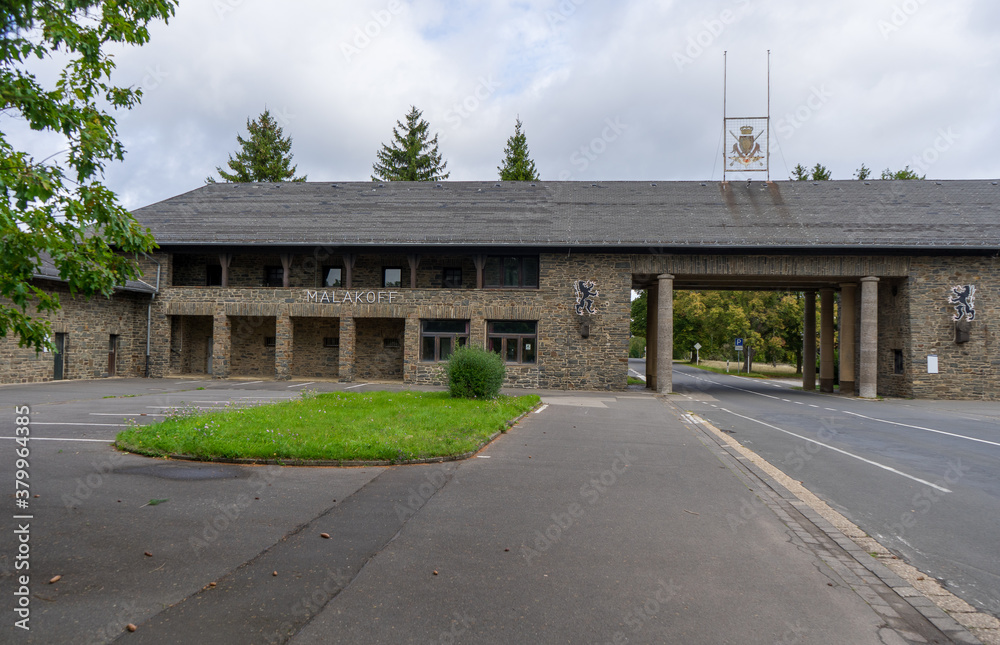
[[349, 260], [283, 340], [411, 347], [222, 343], [809, 343], [480, 262], [826, 329], [414, 261], [665, 334], [652, 316], [347, 343], [224, 260], [286, 269], [847, 340], [868, 381]]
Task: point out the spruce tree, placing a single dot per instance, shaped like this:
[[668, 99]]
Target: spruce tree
[[265, 156], [517, 165], [413, 156]]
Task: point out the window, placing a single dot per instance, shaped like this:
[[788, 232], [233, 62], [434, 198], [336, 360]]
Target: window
[[332, 277], [390, 343], [331, 341], [270, 341], [439, 338], [897, 360], [515, 341], [511, 271], [452, 277], [274, 276], [213, 275], [392, 277]]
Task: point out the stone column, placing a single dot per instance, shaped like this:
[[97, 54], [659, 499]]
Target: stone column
[[826, 340], [665, 333], [224, 260], [480, 262], [411, 347], [868, 381], [283, 339], [286, 269], [222, 343], [347, 343], [652, 311], [847, 340], [809, 343], [414, 261], [349, 260]]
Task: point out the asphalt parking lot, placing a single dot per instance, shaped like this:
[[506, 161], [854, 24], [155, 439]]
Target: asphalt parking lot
[[602, 517]]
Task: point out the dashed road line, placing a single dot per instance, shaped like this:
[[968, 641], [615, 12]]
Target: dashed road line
[[907, 425]]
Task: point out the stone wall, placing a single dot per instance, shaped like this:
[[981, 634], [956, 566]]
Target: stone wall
[[88, 325], [249, 355], [379, 349], [310, 357], [969, 370], [189, 344], [893, 334]]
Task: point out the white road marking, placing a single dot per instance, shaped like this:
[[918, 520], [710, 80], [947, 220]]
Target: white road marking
[[906, 425], [354, 386], [541, 408], [843, 452], [302, 384], [58, 439], [126, 414], [96, 425]]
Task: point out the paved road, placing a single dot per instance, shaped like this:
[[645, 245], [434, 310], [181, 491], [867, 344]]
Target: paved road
[[602, 518], [922, 477]]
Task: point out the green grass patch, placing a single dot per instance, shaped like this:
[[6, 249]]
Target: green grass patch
[[347, 426], [755, 373], [635, 381]]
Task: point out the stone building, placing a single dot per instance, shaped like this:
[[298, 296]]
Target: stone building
[[368, 281]]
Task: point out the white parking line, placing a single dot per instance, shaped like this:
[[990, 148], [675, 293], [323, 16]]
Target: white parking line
[[541, 408], [906, 425], [354, 386], [95, 425], [843, 452], [302, 384], [59, 439]]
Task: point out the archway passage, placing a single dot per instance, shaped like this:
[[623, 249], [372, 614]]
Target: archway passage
[[822, 281]]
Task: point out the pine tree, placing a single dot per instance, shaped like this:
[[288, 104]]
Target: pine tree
[[517, 165], [265, 156], [412, 156]]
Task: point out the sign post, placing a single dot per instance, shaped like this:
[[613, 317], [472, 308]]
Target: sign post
[[697, 357], [739, 350]]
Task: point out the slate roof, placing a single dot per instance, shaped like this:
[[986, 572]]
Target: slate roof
[[614, 215], [49, 271]]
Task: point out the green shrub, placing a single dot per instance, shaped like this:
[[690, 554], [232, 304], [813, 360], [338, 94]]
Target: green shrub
[[636, 347], [475, 373]]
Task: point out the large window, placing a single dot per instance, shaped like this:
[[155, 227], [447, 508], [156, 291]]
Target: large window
[[332, 276], [451, 277], [439, 338], [511, 271], [274, 276], [392, 277], [515, 341]]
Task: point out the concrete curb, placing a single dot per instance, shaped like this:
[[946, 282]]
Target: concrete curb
[[854, 542]]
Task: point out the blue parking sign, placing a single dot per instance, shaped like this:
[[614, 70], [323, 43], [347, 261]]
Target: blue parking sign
[[739, 344]]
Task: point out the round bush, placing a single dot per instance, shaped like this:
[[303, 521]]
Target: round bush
[[475, 373]]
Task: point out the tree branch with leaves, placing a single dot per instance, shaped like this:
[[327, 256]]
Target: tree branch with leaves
[[413, 154], [265, 156]]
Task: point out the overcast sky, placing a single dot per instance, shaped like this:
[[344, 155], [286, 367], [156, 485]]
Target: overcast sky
[[627, 90]]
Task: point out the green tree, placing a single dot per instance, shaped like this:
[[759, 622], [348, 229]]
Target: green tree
[[905, 173], [819, 172], [862, 173], [265, 156], [638, 318], [413, 155], [59, 207], [517, 165]]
